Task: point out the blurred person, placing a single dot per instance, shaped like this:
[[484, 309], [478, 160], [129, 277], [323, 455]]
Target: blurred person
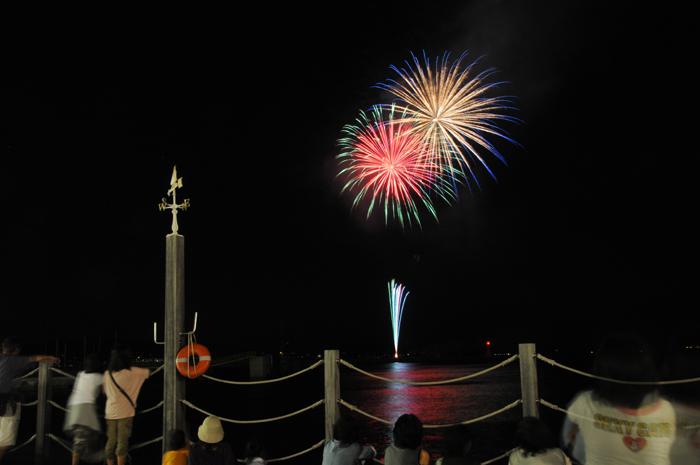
[[344, 448], [121, 385], [458, 444], [12, 365], [621, 423], [683, 362], [210, 449], [408, 436], [253, 452], [177, 449], [82, 423], [536, 445]]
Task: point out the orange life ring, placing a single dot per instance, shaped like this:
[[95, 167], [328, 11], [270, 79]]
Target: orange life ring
[[182, 362]]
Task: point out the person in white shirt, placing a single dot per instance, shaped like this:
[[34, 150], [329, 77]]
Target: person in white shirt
[[82, 422]]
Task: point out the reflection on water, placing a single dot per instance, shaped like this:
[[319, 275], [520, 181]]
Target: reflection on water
[[437, 405]]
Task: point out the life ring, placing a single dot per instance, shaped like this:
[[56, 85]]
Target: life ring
[[187, 354]]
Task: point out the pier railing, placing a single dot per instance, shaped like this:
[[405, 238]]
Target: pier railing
[[332, 400]]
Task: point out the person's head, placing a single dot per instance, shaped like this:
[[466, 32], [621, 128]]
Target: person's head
[[408, 432], [211, 431], [624, 357], [533, 437], [92, 364], [346, 430], [120, 358], [11, 345], [176, 440], [458, 441], [253, 448]]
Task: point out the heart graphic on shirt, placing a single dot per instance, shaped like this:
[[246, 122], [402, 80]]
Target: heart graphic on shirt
[[634, 444]]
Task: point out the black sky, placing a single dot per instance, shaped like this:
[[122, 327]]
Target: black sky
[[589, 229]]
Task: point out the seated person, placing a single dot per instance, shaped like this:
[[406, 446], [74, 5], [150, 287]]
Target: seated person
[[210, 449], [176, 447], [536, 445], [458, 443], [344, 449], [408, 435]]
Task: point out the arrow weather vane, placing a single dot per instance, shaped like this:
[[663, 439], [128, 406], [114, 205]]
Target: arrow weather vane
[[174, 184]]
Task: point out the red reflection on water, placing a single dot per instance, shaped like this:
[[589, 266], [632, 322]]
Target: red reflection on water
[[434, 405]]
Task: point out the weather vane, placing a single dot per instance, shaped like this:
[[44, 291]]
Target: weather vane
[[174, 184]]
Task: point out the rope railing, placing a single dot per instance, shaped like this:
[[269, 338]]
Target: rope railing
[[57, 406], [159, 404], [583, 373], [563, 410], [265, 381], [145, 443], [66, 445], [315, 446], [19, 447], [27, 375], [157, 370], [67, 375], [243, 422], [474, 420], [496, 459], [431, 383]]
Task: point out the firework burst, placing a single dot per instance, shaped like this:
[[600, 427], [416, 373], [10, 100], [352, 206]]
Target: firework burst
[[385, 160], [447, 109], [397, 299]]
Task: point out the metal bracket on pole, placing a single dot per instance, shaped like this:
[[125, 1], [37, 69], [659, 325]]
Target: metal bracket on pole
[[195, 325], [155, 330], [155, 333]]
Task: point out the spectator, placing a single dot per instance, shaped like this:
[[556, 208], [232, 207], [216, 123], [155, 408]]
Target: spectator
[[210, 449], [458, 443], [254, 452], [122, 384], [616, 422], [344, 448], [82, 422], [177, 449], [408, 436], [682, 362], [536, 445], [11, 366]]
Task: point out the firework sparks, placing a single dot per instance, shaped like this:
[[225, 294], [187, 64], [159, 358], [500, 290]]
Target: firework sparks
[[386, 161], [397, 299], [449, 112]]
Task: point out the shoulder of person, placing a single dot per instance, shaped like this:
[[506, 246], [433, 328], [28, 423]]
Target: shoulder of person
[[141, 371]]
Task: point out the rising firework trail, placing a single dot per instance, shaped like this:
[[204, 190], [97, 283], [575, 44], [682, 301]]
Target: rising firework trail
[[385, 162], [448, 110], [397, 299]]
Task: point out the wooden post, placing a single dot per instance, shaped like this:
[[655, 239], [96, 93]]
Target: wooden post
[[528, 380], [42, 453], [332, 387], [174, 384]]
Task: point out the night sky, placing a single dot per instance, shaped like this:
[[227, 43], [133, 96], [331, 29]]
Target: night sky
[[589, 229]]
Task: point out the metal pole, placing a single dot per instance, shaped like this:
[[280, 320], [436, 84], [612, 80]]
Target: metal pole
[[173, 385], [332, 388], [42, 453], [528, 380]]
